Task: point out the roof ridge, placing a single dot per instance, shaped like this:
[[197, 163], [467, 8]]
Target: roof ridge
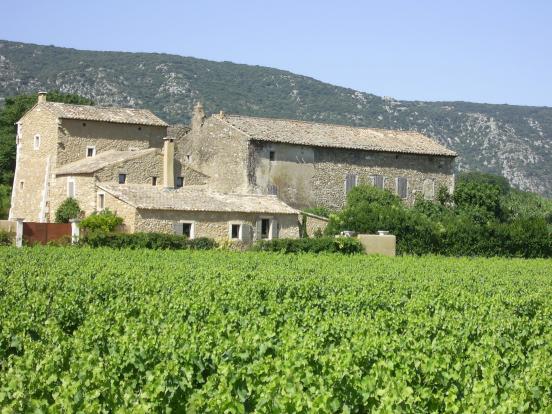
[[322, 134], [98, 106], [303, 121]]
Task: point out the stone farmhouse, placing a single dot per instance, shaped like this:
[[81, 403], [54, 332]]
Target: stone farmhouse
[[226, 176]]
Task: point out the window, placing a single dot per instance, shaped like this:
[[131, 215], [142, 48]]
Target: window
[[351, 181], [188, 158], [71, 187], [90, 151], [272, 155], [402, 187], [101, 201], [179, 182], [272, 189], [185, 228], [153, 180], [21, 185], [429, 189], [36, 144], [265, 228], [122, 178], [377, 181], [235, 231]]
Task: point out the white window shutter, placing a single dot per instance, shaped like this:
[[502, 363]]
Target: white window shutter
[[178, 228], [273, 229], [246, 231]]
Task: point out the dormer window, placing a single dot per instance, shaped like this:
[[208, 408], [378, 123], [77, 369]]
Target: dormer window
[[36, 142], [90, 151]]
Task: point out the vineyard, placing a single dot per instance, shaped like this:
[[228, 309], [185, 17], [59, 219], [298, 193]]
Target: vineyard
[[102, 330]]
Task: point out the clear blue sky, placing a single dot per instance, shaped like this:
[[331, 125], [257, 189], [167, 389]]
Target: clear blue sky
[[483, 51]]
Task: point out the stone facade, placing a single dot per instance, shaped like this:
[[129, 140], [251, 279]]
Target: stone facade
[[75, 136], [125, 211], [84, 189], [230, 167], [47, 141], [304, 175], [315, 224], [34, 164], [137, 171], [212, 224], [217, 150], [215, 225], [313, 177]]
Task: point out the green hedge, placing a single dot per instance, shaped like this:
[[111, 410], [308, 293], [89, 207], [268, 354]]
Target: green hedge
[[146, 241], [6, 239], [345, 245]]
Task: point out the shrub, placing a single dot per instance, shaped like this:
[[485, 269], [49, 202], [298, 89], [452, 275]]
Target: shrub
[[68, 210], [476, 226], [5, 193], [368, 194], [146, 241], [6, 239], [347, 245], [104, 221], [63, 241], [485, 178], [470, 195]]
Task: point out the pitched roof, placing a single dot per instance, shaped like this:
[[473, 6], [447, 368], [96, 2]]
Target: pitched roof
[[195, 198], [178, 130], [335, 136], [101, 160], [102, 113]]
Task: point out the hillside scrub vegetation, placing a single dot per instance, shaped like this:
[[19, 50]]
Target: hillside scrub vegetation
[[484, 217]]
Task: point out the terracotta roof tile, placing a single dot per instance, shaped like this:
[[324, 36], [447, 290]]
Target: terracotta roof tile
[[195, 198], [106, 114], [335, 136]]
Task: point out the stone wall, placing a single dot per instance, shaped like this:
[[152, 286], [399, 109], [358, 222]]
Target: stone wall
[[8, 226], [138, 170], [120, 208], [315, 224], [210, 224], [191, 176], [313, 176], [85, 193], [217, 150], [76, 135], [34, 166]]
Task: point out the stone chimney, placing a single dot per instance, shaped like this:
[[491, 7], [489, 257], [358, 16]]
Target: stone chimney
[[198, 116], [168, 163], [41, 97]]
